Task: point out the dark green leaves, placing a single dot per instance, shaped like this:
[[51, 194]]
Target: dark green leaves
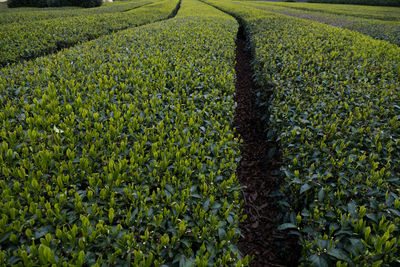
[[286, 226], [338, 137], [339, 254], [318, 261], [122, 142]]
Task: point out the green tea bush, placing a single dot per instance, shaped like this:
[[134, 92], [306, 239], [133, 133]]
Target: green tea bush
[[22, 15], [121, 151], [360, 2], [379, 22], [27, 41], [368, 12], [331, 100]]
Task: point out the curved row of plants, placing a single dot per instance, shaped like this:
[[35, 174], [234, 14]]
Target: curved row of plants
[[360, 2], [121, 151], [331, 100], [367, 12], [22, 15], [380, 29], [27, 41]]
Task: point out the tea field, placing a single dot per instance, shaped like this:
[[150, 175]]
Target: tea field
[[42, 36], [382, 23], [118, 144]]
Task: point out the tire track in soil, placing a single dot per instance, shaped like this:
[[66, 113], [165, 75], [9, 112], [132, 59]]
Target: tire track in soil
[[255, 171]]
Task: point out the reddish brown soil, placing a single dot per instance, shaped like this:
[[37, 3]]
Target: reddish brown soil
[[256, 172]]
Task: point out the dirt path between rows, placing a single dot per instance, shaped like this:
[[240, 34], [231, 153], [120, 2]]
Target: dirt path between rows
[[257, 173]]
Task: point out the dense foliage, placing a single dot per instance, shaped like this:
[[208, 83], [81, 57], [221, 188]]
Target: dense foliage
[[385, 25], [26, 41], [24, 15], [360, 2], [367, 12], [334, 110], [53, 3], [121, 151]]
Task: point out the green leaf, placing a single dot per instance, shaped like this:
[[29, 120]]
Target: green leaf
[[318, 261], [286, 226], [57, 130], [5, 237], [221, 233], [321, 194], [304, 188], [42, 231], [339, 254]]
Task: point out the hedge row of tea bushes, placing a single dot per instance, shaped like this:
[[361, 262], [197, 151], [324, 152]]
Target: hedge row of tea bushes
[[335, 112], [388, 30], [360, 2], [26, 41], [121, 151], [21, 15], [53, 3], [368, 12]]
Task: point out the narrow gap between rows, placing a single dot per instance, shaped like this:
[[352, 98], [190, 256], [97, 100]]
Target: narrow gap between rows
[[258, 173]]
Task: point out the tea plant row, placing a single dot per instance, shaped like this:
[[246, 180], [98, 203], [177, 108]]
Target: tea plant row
[[367, 12], [393, 3], [27, 41], [121, 151], [387, 30], [24, 15], [331, 100]]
